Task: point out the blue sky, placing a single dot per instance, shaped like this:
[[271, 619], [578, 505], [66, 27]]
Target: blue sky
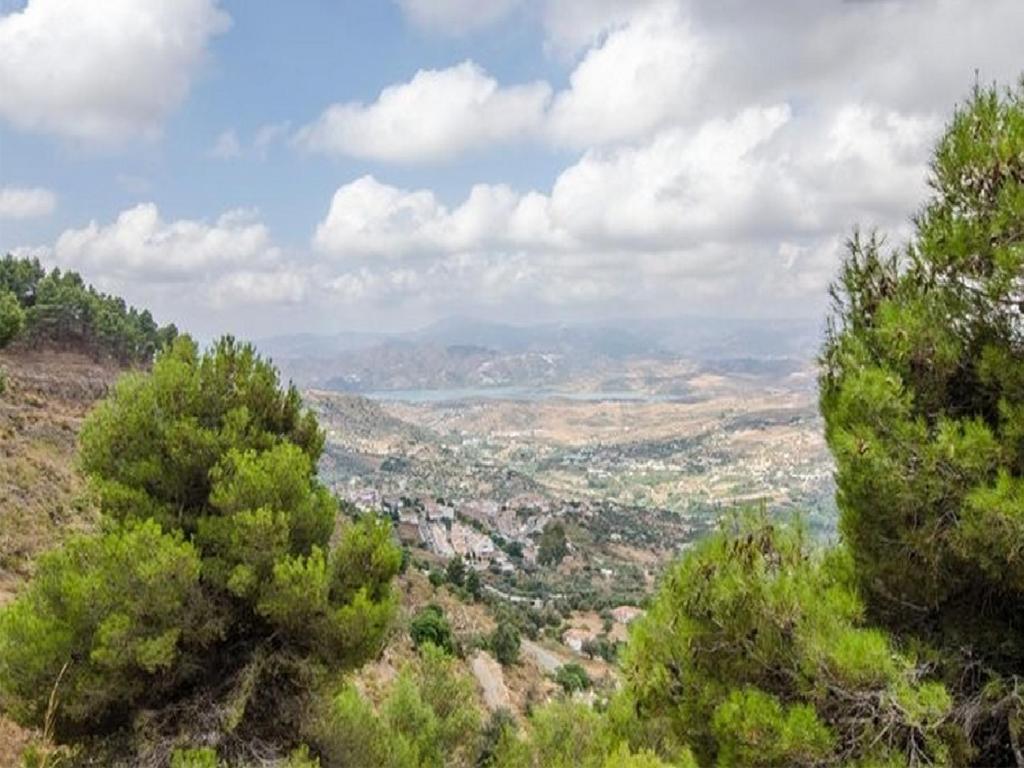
[[275, 68], [264, 167]]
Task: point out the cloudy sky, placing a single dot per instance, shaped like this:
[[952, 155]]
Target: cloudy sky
[[265, 167]]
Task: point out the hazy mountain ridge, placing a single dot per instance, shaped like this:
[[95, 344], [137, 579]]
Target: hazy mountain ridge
[[460, 352]]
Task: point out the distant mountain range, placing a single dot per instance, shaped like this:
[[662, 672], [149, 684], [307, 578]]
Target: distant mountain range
[[464, 352]]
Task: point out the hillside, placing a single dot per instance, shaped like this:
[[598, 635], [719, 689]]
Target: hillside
[[42, 495]]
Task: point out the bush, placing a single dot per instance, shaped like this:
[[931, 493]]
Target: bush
[[572, 677], [505, 643], [565, 734], [553, 546], [12, 317], [473, 586], [431, 627], [201, 757], [456, 571], [753, 652], [500, 727], [427, 718], [218, 560], [117, 613], [601, 647]]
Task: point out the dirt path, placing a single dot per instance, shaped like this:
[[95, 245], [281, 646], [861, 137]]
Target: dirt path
[[548, 661], [489, 675]]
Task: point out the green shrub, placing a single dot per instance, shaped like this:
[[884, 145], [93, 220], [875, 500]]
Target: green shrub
[[122, 610], [552, 546], [504, 643], [623, 758], [473, 585], [456, 571], [572, 677], [753, 653], [560, 734], [209, 449], [500, 727], [12, 317], [428, 718], [431, 627], [300, 758], [200, 757], [753, 728]]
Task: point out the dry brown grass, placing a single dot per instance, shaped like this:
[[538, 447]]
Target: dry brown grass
[[42, 496]]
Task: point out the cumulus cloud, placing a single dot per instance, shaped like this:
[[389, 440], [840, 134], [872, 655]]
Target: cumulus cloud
[[703, 174], [367, 218], [140, 245], [750, 203], [248, 287], [26, 202], [437, 114], [639, 66], [102, 71], [212, 277], [228, 146], [727, 181], [573, 25], [644, 75]]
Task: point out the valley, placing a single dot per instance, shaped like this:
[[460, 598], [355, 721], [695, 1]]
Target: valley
[[632, 474]]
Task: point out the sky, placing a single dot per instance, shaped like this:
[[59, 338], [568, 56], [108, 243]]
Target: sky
[[261, 167]]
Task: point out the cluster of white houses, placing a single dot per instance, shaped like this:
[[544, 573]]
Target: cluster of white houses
[[436, 525]]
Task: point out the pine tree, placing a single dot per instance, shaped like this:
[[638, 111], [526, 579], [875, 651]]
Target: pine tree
[[923, 397]]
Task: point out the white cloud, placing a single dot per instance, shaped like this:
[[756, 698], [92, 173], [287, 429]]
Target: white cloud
[[140, 245], [644, 65], [218, 276], [247, 287], [680, 188], [749, 204], [227, 146], [437, 114], [456, 17], [704, 175], [102, 71], [643, 76], [572, 25], [369, 219], [26, 202]]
